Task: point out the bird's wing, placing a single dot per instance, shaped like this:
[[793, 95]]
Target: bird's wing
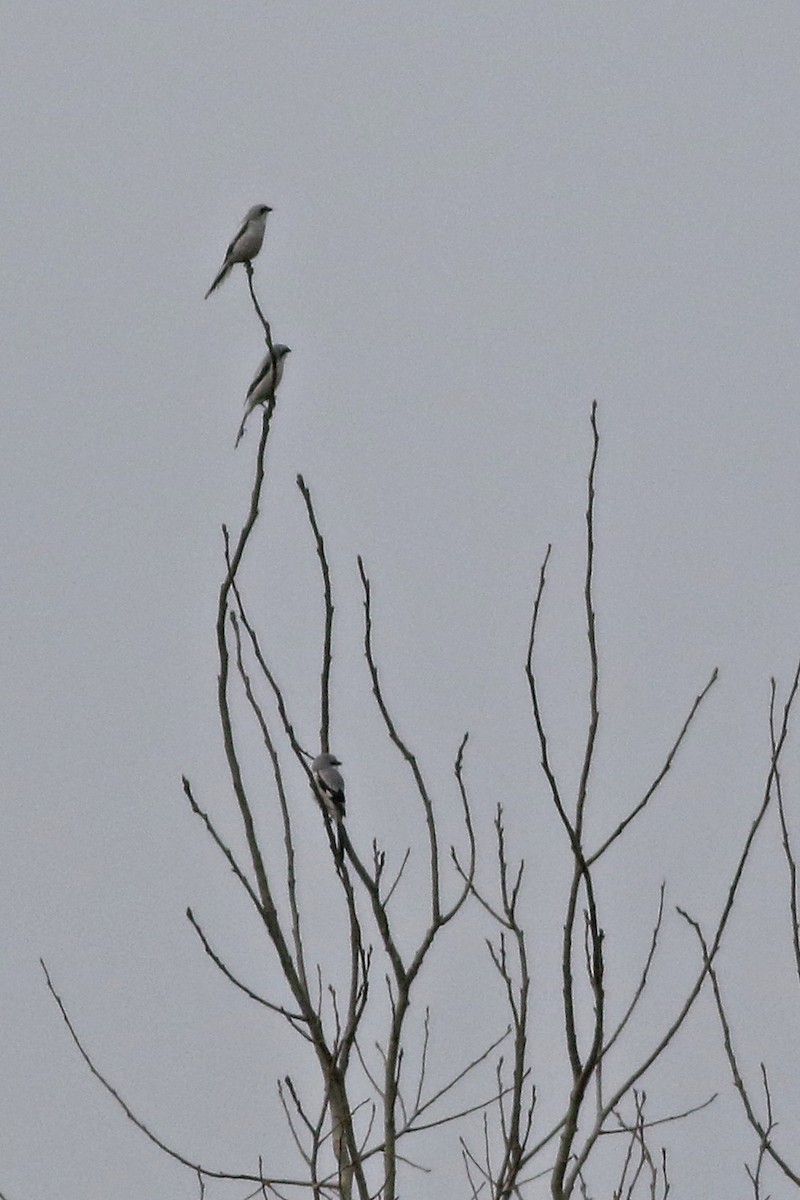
[[241, 232], [261, 375], [331, 781]]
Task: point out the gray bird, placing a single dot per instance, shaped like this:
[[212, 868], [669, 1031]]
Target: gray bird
[[247, 243], [262, 388], [330, 784]]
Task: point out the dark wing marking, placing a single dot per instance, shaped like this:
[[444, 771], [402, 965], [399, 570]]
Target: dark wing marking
[[263, 372], [331, 784], [245, 223]]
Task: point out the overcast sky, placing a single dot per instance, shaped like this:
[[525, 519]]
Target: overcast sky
[[485, 216]]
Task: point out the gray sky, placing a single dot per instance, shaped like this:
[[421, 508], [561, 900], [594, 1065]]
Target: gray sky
[[485, 217]]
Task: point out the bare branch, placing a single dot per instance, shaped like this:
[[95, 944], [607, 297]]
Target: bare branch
[[304, 1154], [591, 632], [637, 995], [654, 786], [216, 838], [537, 713], [762, 1130], [394, 736], [791, 861], [679, 1116], [197, 1168], [276, 1008], [264, 322], [327, 650], [288, 840], [448, 1087], [398, 877], [665, 1040], [458, 771], [331, 1064], [369, 1074], [302, 755]]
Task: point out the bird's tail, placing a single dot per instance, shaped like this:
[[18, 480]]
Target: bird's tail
[[240, 434], [224, 269]]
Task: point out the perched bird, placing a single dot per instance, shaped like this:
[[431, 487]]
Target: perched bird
[[330, 784], [247, 243], [262, 388]]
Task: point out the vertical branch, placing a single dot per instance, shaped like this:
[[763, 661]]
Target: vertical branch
[[519, 1123], [591, 631], [404, 977], [265, 325], [791, 861], [401, 746], [349, 1167], [288, 837], [358, 985], [567, 988], [581, 870], [755, 1176], [300, 753], [555, 793], [223, 706], [358, 974], [583, 1070], [530, 675], [515, 1112], [327, 650]]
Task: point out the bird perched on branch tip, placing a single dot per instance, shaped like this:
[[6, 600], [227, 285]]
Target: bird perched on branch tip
[[247, 243]]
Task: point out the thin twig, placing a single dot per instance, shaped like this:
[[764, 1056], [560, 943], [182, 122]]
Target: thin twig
[[738, 1082], [221, 845], [637, 995], [394, 736], [197, 1168], [276, 1008], [654, 786]]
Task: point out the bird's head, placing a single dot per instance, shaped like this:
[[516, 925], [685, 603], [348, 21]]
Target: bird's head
[[325, 760]]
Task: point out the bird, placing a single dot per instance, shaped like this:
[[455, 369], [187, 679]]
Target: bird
[[247, 243], [330, 785], [262, 388]]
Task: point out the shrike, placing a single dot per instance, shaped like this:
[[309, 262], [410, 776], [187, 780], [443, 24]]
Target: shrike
[[330, 785], [247, 243], [262, 388]]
